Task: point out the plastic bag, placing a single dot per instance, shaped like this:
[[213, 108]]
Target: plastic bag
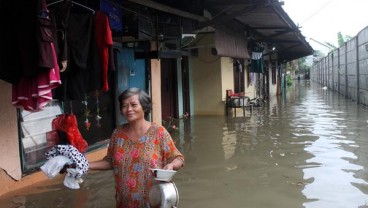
[[70, 181], [53, 166]]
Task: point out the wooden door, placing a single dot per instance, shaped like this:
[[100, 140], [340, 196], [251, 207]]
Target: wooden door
[[169, 98]]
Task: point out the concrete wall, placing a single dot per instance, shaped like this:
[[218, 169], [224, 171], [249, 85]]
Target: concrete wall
[[345, 69], [363, 66]]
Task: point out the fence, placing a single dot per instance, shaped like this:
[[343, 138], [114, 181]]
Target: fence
[[345, 69]]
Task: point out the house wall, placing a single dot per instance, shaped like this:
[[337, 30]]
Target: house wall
[[211, 77], [207, 83], [10, 166], [227, 75]]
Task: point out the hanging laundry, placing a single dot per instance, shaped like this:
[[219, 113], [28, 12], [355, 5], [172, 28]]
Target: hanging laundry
[[104, 43], [59, 18], [67, 123], [24, 43], [34, 92], [257, 64], [77, 45]]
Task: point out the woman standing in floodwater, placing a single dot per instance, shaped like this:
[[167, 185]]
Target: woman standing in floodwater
[[134, 148]]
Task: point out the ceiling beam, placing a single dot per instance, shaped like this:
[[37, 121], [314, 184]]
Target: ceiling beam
[[246, 9], [270, 40], [167, 9], [226, 17], [271, 28]]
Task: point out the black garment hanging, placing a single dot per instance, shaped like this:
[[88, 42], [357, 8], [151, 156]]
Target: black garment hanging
[[19, 41], [78, 46]]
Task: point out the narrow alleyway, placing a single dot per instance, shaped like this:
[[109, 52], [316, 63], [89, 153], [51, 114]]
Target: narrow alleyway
[[306, 149]]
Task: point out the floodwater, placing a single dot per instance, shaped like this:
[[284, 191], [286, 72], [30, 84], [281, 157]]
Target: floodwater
[[306, 149]]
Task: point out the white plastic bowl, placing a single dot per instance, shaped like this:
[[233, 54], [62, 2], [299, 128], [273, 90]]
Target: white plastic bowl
[[163, 175]]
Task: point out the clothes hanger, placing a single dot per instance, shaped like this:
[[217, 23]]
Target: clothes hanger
[[73, 2]]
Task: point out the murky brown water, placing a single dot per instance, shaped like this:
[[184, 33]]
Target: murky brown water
[[307, 149]]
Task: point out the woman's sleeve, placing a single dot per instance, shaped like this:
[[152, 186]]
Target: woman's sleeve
[[168, 148], [111, 147]]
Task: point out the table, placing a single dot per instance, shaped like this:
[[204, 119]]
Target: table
[[235, 102]]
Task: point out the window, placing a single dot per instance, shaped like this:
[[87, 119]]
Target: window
[[35, 131], [96, 121]]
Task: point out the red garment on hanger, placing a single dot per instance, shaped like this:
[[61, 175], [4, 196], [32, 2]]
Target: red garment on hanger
[[104, 41], [68, 124]]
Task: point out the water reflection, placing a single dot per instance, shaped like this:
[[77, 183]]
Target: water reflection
[[306, 149]]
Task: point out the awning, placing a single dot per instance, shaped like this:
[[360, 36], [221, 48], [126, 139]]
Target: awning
[[229, 43], [265, 21]]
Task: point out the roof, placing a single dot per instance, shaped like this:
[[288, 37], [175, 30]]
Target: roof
[[265, 22]]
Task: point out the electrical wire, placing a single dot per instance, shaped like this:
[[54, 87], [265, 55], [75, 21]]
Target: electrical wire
[[312, 15]]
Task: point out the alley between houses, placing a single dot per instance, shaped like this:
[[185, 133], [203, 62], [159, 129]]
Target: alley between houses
[[308, 148]]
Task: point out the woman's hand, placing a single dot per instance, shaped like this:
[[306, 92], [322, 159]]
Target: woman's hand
[[176, 164], [169, 167]]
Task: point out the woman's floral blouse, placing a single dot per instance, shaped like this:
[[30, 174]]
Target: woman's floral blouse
[[133, 157]]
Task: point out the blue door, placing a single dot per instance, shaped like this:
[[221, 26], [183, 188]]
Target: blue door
[[135, 69], [129, 73]]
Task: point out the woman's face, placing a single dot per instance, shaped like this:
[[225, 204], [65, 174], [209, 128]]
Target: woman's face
[[132, 109]]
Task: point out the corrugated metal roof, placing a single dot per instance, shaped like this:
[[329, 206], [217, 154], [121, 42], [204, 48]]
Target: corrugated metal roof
[[265, 21]]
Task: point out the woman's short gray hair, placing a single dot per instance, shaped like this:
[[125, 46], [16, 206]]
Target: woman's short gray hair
[[143, 97]]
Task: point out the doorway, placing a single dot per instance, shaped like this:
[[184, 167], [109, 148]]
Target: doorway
[[238, 68], [169, 92], [185, 84]]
